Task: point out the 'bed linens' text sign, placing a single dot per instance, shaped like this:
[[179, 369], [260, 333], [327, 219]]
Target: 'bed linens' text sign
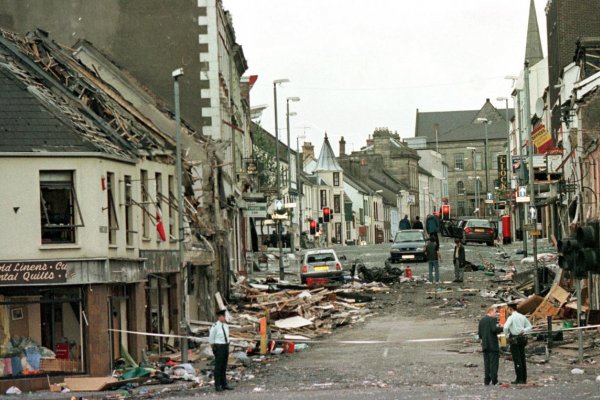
[[33, 272]]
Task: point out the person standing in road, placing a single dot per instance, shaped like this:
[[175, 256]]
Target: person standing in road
[[515, 328], [404, 223], [218, 338], [432, 226], [434, 259], [488, 333], [459, 261], [417, 224]]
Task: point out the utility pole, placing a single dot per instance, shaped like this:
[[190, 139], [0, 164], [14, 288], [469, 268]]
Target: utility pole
[[277, 173], [530, 149], [521, 179]]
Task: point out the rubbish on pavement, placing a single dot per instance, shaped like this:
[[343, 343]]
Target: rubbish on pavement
[[577, 371], [13, 390]]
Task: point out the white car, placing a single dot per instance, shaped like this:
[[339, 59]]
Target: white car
[[322, 263]]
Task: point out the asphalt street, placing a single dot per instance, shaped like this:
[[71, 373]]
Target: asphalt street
[[401, 368]]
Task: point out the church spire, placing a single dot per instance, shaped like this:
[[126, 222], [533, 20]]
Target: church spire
[[533, 47]]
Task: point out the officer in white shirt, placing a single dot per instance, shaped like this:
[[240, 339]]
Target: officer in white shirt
[[218, 338], [515, 327]]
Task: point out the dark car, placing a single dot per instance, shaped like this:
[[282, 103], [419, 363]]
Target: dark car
[[409, 245], [479, 231]]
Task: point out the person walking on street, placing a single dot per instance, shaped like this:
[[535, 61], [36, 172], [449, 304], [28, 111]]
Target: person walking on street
[[218, 338], [433, 258], [432, 226], [404, 223], [459, 261], [417, 224], [488, 333], [515, 328]]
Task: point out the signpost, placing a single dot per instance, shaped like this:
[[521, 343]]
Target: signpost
[[522, 196], [256, 209]]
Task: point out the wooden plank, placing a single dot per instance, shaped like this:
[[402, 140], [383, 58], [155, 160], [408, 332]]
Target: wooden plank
[[89, 384]]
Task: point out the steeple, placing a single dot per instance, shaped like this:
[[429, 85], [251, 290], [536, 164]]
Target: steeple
[[533, 46], [327, 160]]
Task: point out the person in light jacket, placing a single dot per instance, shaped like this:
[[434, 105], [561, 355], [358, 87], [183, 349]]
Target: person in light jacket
[[218, 338]]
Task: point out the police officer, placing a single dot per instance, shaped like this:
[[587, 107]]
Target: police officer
[[218, 338]]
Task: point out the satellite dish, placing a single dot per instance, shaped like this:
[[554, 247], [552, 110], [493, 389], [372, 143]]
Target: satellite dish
[[539, 107]]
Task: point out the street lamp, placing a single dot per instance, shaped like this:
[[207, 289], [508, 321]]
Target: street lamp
[[279, 245], [485, 121], [176, 74], [508, 188], [289, 156]]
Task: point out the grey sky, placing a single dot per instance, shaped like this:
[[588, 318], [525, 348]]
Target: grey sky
[[359, 65]]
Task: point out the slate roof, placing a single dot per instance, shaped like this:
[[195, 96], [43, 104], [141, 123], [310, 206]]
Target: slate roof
[[456, 126], [26, 125], [327, 160]]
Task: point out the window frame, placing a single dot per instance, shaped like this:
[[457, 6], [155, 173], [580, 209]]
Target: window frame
[[337, 204], [336, 179], [113, 219], [459, 158], [75, 209], [460, 188], [127, 193]]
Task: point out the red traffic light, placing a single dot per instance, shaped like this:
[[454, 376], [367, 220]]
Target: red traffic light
[[326, 214], [445, 212], [313, 226]]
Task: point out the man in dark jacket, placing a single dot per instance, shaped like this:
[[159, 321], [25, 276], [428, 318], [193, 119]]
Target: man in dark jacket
[[488, 333], [404, 223], [417, 224], [459, 261], [432, 226]]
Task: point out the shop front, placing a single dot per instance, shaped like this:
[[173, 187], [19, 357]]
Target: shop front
[[52, 324]]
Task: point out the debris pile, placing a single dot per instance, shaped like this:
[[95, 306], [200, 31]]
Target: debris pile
[[301, 314]]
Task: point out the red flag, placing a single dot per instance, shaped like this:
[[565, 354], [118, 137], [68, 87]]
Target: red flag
[[160, 228]]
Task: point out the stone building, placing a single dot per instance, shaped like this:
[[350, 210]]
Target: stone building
[[459, 136]]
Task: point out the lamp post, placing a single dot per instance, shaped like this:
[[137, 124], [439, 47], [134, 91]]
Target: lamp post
[[176, 74], [485, 121], [277, 173], [289, 158], [477, 194]]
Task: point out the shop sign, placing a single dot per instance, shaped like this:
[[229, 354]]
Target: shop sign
[[256, 209], [502, 172], [33, 272]]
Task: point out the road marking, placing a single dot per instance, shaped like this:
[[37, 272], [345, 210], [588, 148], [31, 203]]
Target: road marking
[[385, 352]]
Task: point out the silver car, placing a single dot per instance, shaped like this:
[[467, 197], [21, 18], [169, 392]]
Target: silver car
[[322, 263]]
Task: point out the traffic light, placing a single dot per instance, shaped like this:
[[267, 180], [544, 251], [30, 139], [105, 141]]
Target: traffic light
[[445, 212], [567, 253], [588, 254], [326, 214], [313, 226]]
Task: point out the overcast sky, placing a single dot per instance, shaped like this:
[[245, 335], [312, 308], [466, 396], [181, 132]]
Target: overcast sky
[[359, 65]]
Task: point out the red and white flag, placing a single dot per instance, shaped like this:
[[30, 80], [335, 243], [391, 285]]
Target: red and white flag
[[160, 228]]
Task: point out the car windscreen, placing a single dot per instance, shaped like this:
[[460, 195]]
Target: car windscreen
[[320, 258], [483, 223], [407, 236]]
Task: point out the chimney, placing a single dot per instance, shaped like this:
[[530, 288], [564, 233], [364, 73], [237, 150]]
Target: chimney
[[342, 147], [369, 141], [308, 151]]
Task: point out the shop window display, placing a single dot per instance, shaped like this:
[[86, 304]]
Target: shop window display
[[40, 333]]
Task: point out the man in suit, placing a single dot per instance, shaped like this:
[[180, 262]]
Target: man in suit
[[459, 261], [488, 333]]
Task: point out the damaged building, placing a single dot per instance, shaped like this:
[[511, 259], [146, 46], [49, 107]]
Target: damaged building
[[89, 178]]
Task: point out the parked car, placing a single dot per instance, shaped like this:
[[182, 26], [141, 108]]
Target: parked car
[[480, 231], [410, 245], [321, 263]]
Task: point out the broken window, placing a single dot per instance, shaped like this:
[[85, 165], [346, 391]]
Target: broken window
[[159, 194], [128, 211], [145, 200], [60, 212], [113, 223]]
